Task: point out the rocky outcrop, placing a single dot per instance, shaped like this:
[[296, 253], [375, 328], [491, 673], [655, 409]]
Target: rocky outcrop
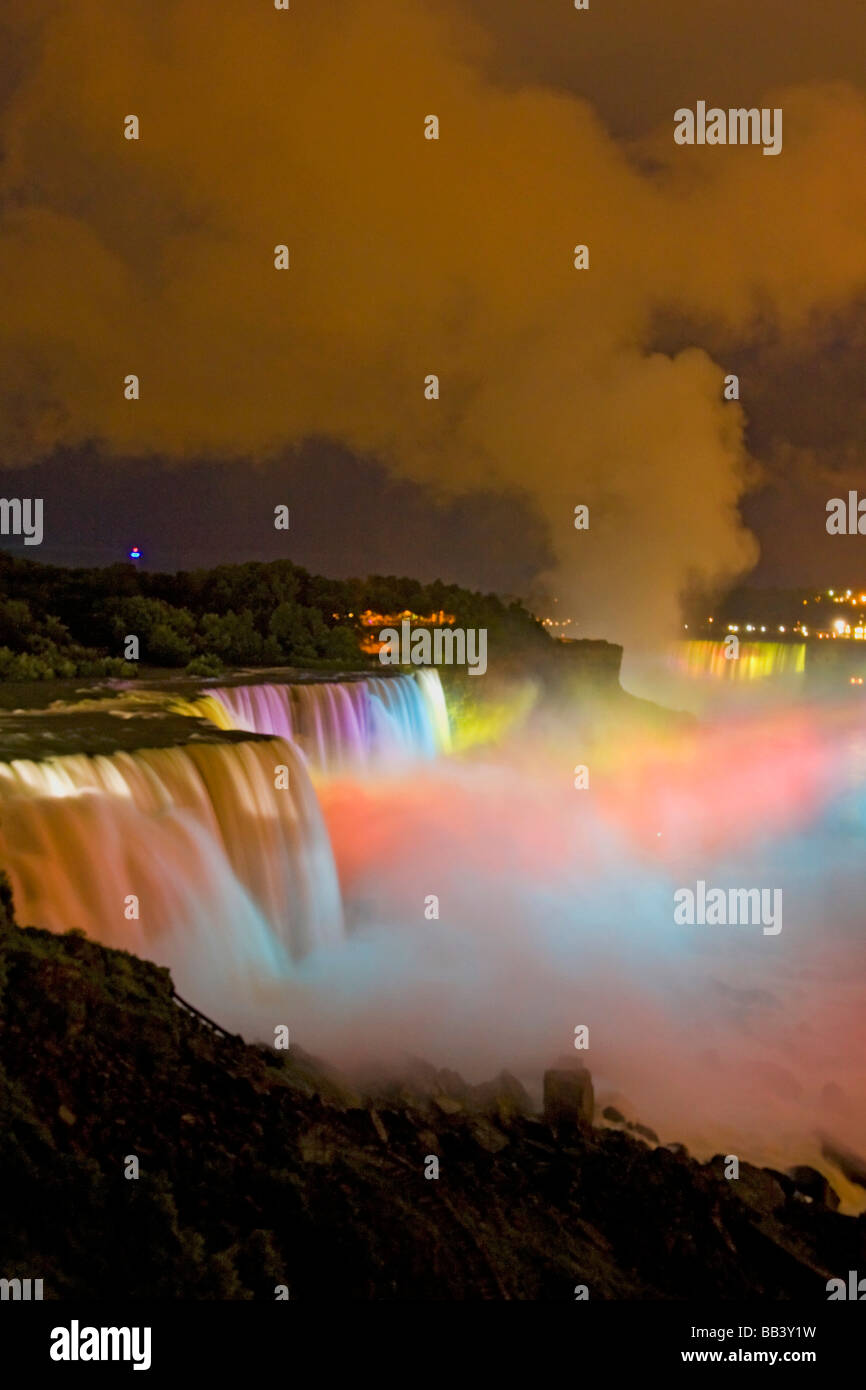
[[257, 1169], [568, 1098]]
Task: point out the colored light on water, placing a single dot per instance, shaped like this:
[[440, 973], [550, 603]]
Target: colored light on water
[[755, 661]]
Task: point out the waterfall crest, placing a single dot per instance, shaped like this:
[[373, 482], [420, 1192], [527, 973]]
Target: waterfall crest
[[341, 726]]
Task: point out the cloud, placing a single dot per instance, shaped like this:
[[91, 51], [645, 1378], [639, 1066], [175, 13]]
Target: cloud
[[407, 257]]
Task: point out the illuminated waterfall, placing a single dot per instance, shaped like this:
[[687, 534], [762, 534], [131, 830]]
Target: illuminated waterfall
[[756, 660], [379, 722], [231, 868], [210, 858]]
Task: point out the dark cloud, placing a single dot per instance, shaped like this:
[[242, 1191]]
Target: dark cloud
[[410, 257]]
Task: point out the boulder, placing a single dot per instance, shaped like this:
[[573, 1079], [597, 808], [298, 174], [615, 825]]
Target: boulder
[[568, 1097], [810, 1183]]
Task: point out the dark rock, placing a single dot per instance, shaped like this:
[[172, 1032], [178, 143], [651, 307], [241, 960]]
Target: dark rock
[[810, 1183], [257, 1172], [763, 1189], [451, 1083], [448, 1105], [781, 1179], [644, 1131], [503, 1098], [568, 1097], [611, 1113]]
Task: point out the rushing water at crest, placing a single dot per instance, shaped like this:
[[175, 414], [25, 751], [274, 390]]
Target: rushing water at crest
[[379, 723]]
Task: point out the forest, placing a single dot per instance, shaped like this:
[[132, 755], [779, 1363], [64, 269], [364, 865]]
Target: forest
[[57, 622]]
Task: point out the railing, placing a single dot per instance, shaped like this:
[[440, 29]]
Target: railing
[[203, 1018]]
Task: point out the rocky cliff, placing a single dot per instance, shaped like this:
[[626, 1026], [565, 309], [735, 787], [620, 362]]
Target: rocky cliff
[[259, 1168]]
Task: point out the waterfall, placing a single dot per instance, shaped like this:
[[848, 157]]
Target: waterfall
[[223, 846], [210, 858], [756, 660], [379, 722]]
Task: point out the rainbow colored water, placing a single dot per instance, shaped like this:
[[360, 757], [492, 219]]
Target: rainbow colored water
[[472, 910], [756, 660]]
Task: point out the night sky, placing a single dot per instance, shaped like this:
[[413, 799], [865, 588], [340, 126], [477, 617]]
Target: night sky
[[408, 256]]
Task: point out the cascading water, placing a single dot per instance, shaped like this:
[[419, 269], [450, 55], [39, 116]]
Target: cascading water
[[210, 857], [222, 845], [755, 661], [379, 722], [707, 677]]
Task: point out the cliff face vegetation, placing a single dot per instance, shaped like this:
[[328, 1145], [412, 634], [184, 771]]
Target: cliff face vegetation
[[260, 1168]]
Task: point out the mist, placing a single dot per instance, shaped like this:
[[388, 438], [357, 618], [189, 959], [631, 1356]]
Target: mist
[[556, 909]]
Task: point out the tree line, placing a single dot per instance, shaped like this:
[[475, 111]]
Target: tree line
[[57, 622]]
